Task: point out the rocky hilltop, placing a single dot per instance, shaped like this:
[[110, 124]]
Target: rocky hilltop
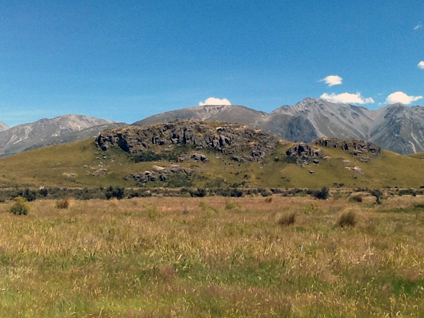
[[396, 127], [165, 140], [363, 149]]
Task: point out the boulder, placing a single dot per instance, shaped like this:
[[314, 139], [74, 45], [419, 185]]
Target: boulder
[[199, 157], [304, 154]]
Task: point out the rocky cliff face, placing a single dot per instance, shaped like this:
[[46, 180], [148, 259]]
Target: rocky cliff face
[[241, 142], [396, 127]]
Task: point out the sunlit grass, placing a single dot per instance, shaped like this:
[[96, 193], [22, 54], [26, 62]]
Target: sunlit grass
[[211, 257]]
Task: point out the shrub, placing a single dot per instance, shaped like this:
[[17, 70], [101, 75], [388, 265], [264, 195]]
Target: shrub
[[28, 195], [408, 192], [200, 192], [378, 195], [112, 192], [43, 192], [322, 194], [20, 207], [287, 219], [63, 204], [347, 219]]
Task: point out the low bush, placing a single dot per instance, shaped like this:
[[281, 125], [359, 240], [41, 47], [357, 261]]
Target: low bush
[[378, 195], [114, 192], [200, 192], [43, 192], [20, 207], [28, 195], [322, 194]]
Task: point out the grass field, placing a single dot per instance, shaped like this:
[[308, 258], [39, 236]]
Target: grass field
[[213, 257]]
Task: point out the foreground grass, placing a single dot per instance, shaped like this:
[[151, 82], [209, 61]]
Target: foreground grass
[[212, 257]]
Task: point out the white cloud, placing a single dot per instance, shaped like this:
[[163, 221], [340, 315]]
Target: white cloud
[[421, 65], [401, 97], [332, 80], [347, 98], [418, 26], [215, 101]]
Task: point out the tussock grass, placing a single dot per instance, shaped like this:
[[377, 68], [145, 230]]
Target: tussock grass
[[286, 219], [63, 204], [356, 198], [268, 199], [347, 219], [112, 259]]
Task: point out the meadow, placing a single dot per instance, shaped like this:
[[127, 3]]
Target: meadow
[[213, 257]]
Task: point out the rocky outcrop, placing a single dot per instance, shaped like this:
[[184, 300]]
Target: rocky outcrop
[[303, 154], [159, 173], [363, 149], [164, 140]]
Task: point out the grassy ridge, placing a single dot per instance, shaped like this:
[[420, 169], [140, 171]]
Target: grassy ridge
[[73, 165], [192, 257]]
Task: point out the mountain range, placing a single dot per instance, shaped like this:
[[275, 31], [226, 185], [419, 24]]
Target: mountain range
[[53, 131], [396, 127]]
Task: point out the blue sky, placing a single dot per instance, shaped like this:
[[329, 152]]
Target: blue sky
[[125, 60]]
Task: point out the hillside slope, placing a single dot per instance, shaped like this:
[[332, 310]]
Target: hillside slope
[[179, 155]]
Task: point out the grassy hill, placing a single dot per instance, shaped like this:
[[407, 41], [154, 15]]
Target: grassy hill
[[82, 164]]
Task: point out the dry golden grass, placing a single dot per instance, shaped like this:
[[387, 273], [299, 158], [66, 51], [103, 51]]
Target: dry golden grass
[[194, 257]]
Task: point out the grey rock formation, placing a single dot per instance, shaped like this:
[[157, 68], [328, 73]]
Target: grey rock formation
[[303, 154], [361, 148], [162, 140]]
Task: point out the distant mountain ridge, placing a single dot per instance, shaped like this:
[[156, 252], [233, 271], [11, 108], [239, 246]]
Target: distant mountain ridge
[[3, 126], [51, 131], [396, 127]]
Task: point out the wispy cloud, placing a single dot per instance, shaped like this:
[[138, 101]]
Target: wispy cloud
[[332, 80], [418, 26], [401, 97], [215, 101], [421, 65], [347, 98]]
